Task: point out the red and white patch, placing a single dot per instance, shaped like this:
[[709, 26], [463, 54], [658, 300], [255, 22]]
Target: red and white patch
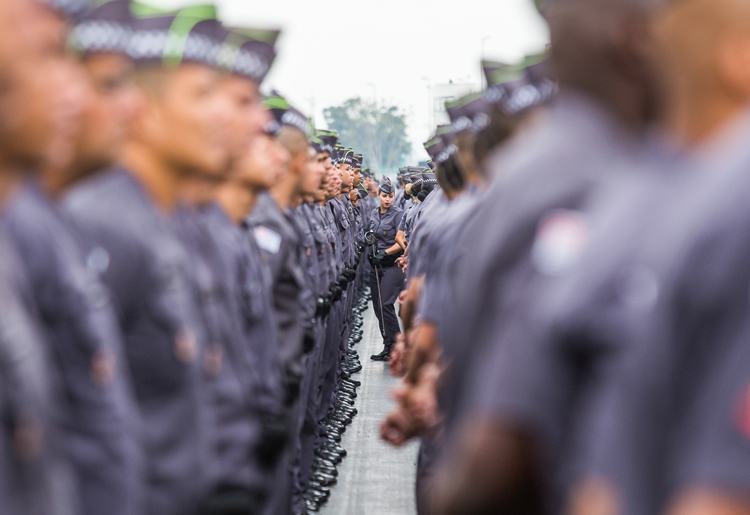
[[743, 412], [560, 240]]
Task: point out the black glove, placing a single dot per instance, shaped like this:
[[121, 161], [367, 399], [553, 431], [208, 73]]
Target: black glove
[[343, 281], [350, 274], [378, 258], [273, 439], [322, 307], [291, 384], [335, 291], [308, 341]]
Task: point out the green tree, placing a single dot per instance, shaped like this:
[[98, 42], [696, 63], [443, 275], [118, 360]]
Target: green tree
[[377, 131]]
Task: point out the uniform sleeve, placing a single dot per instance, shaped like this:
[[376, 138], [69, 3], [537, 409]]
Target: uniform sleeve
[[432, 302], [402, 223], [714, 450], [520, 379]]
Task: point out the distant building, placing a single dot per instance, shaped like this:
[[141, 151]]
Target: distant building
[[442, 93]]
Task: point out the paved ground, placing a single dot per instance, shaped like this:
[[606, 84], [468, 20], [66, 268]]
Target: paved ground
[[374, 479]]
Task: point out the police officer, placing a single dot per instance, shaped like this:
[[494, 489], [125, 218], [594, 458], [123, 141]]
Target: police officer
[[252, 174], [144, 264], [79, 325], [230, 369], [34, 476], [256, 162], [386, 280], [687, 449], [283, 246]]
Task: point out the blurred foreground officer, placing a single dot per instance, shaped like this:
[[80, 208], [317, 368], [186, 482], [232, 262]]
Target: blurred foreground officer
[[34, 477], [126, 213], [673, 436], [275, 230], [386, 280], [229, 366], [252, 175], [98, 418], [526, 446], [256, 162]]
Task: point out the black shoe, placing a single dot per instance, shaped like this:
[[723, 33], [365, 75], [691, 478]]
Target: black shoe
[[324, 480], [332, 447], [348, 390], [326, 468], [315, 488], [337, 427], [385, 355], [349, 412], [319, 494], [332, 437], [344, 418], [347, 398], [333, 458], [312, 506], [346, 402]]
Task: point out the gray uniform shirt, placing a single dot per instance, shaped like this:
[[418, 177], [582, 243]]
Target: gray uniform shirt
[[30, 483], [99, 421], [541, 197], [678, 406], [280, 246], [231, 379], [147, 270], [385, 226]]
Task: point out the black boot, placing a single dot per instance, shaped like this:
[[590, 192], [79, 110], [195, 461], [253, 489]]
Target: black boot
[[384, 355]]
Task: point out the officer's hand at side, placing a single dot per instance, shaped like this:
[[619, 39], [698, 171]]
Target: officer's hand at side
[[378, 258], [397, 363], [274, 439]]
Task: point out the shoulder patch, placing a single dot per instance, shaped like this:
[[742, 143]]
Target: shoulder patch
[[743, 412], [267, 239], [560, 239]]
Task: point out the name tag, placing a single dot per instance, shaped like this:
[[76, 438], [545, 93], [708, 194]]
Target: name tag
[[268, 240]]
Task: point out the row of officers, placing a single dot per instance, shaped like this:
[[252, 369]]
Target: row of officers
[[575, 314], [182, 270]]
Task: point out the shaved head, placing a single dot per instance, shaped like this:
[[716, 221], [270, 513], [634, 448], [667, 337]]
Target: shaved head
[[293, 140], [603, 49]]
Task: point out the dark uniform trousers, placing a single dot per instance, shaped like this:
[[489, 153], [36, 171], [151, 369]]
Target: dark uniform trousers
[[385, 286]]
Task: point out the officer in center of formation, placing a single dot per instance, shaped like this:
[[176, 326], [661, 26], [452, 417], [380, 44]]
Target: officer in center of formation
[[386, 280]]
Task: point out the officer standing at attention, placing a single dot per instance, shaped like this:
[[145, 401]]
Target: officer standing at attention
[[77, 320], [386, 279], [142, 261], [33, 475], [282, 248]]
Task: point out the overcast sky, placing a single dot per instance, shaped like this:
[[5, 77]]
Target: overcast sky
[[395, 51]]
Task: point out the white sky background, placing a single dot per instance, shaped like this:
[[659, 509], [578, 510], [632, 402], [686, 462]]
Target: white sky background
[[394, 51]]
